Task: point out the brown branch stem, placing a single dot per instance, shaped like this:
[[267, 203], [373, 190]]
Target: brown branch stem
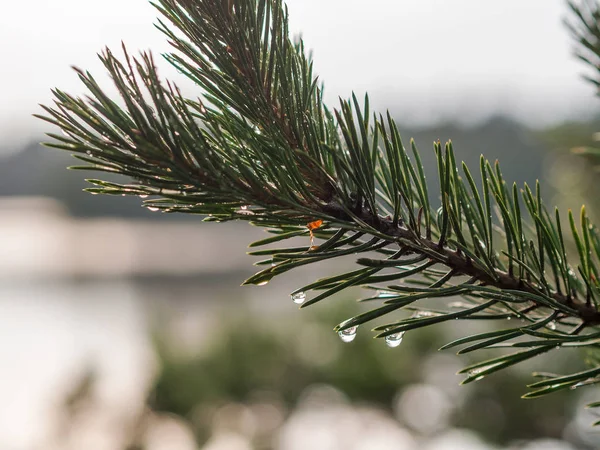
[[462, 264]]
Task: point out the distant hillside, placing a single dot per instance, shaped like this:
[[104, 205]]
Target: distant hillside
[[40, 171], [517, 148]]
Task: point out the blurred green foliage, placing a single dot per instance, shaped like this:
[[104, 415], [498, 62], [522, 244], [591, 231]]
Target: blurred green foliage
[[280, 358], [572, 169]]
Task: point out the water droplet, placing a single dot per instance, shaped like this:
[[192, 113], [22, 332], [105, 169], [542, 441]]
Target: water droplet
[[552, 325], [587, 382], [474, 373], [384, 294], [508, 318], [152, 208], [89, 153], [262, 283], [245, 209], [457, 305], [143, 195], [394, 340], [298, 298], [420, 314], [348, 334]]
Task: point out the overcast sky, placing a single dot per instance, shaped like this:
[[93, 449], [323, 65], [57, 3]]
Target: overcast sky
[[431, 60]]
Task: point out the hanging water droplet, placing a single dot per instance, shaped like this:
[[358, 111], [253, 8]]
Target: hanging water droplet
[[298, 298], [244, 207], [552, 325], [152, 208], [143, 196], [394, 340], [508, 318], [348, 334], [262, 283]]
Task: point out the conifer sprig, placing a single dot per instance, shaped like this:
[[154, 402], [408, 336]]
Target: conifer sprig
[[259, 145], [584, 25]]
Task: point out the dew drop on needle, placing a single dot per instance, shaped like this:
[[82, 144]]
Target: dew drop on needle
[[349, 334]]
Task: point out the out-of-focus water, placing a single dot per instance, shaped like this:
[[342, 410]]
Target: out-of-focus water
[[51, 333], [85, 297]]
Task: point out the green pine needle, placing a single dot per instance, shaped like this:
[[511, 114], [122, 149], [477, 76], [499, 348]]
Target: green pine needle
[[260, 145]]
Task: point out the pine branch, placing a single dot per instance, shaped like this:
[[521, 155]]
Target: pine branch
[[261, 146], [585, 30]]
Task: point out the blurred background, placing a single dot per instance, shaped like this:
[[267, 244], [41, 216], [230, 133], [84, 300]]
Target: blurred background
[[123, 329]]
